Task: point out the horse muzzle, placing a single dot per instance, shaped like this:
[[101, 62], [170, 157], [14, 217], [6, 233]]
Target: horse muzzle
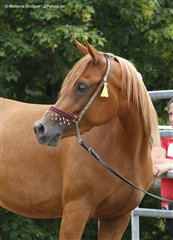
[[48, 135], [53, 126]]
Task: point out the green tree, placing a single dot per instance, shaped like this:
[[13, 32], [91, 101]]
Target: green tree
[[141, 31], [36, 46]]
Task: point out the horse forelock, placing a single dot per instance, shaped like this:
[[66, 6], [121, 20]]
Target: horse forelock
[[76, 72], [135, 91]]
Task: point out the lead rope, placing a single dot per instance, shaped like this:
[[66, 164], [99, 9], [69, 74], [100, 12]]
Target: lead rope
[[114, 173]]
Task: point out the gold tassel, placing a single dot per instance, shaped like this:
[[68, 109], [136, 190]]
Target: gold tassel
[[104, 92]]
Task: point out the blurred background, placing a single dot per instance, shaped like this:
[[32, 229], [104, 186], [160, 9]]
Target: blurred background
[[37, 51]]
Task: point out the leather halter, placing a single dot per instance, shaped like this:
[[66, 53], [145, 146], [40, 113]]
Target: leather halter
[[76, 118]]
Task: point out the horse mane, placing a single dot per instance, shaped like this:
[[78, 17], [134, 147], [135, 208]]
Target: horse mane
[[133, 89]]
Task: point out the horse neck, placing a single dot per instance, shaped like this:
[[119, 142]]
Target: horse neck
[[131, 127]]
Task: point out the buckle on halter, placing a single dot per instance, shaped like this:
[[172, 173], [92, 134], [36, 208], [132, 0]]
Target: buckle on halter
[[76, 119]]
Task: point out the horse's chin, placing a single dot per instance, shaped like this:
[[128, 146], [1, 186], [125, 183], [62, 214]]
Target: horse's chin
[[54, 142]]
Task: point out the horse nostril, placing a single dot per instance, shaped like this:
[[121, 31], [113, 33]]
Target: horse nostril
[[39, 129]]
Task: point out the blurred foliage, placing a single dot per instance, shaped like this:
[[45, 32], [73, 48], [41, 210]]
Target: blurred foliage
[[152, 228], [37, 51], [36, 47], [13, 227]]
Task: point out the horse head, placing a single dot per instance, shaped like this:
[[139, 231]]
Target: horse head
[[98, 88], [87, 97]]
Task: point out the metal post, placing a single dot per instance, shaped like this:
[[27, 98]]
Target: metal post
[[135, 230]]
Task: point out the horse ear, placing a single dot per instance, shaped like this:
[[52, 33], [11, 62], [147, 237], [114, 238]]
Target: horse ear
[[83, 50], [92, 51]]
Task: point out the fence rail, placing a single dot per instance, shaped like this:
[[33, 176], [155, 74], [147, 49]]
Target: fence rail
[[162, 94], [168, 174], [166, 133], [146, 212]]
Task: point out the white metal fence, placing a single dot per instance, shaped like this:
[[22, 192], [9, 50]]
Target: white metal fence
[[147, 212], [161, 94]]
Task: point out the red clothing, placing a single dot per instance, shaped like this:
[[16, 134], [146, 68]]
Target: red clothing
[[167, 183]]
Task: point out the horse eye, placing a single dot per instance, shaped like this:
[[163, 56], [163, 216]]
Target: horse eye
[[81, 87]]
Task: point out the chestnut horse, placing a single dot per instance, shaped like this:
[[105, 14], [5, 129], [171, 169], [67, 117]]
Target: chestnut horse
[[104, 93], [67, 182]]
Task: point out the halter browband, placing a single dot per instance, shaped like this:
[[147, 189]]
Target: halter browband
[[76, 118]]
